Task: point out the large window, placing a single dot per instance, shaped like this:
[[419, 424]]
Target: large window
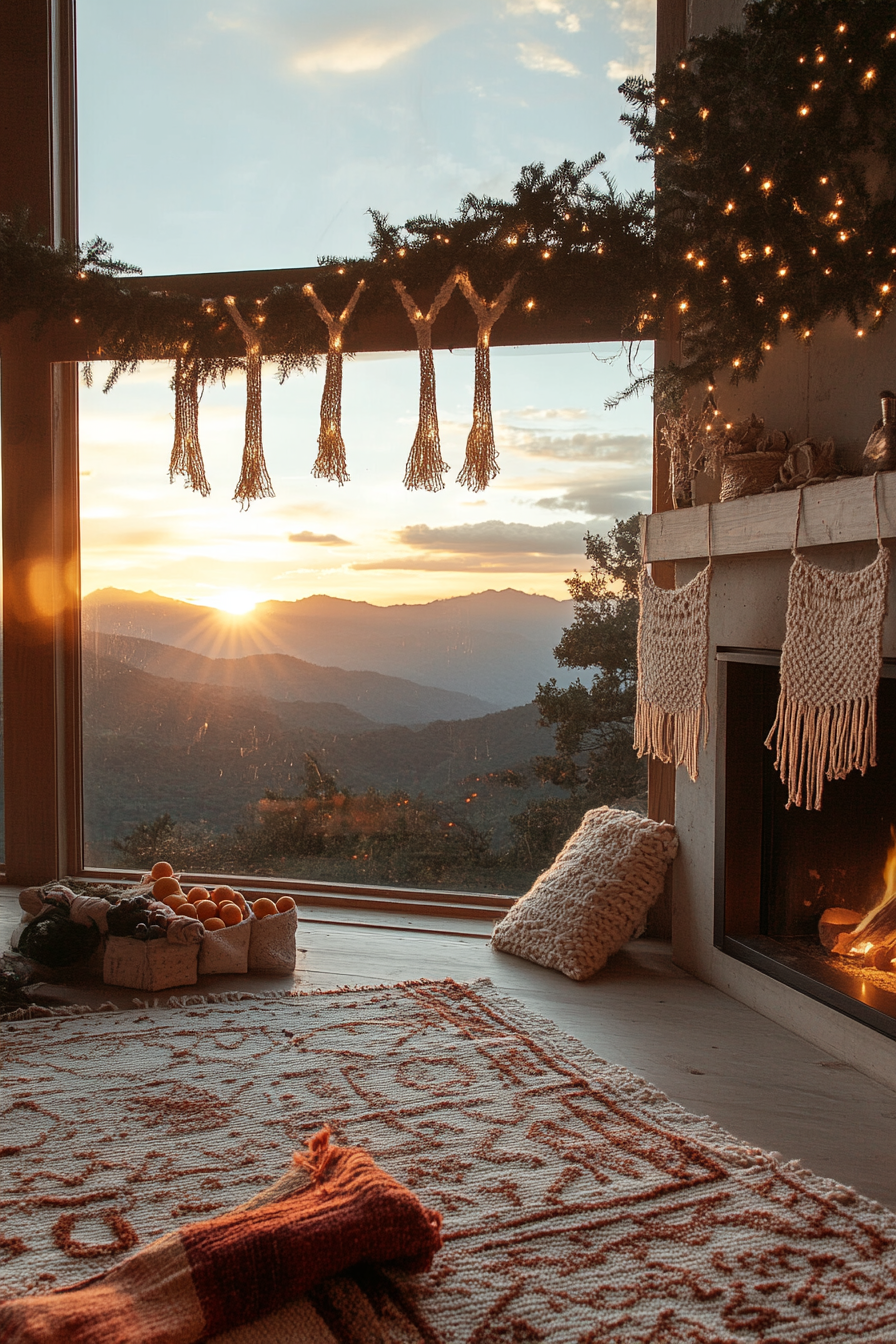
[[337, 684], [255, 136]]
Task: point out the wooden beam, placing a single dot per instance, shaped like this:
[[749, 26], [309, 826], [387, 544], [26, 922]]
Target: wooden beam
[[383, 329], [832, 514]]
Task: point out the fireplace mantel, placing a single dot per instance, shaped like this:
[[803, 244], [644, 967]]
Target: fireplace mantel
[[839, 511]]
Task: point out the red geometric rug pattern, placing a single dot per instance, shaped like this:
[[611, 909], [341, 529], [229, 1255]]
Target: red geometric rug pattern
[[579, 1203]]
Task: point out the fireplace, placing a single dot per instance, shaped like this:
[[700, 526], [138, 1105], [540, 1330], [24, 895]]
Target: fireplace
[[779, 870]]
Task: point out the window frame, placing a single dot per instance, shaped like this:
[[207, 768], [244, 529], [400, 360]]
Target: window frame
[[42, 730]]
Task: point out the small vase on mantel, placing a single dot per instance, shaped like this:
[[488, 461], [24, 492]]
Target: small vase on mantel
[[880, 450]]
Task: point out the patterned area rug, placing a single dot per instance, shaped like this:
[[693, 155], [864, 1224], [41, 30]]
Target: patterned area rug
[[579, 1204]]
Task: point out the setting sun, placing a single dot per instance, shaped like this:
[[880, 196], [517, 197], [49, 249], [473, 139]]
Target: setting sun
[[236, 601]]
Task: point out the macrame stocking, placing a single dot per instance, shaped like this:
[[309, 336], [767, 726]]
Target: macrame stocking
[[425, 464], [186, 455], [826, 724], [673, 651], [330, 462], [481, 462], [254, 482]]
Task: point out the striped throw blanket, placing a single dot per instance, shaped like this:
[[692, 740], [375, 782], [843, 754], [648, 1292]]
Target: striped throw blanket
[[334, 1210]]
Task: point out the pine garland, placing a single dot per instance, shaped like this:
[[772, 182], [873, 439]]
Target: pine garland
[[571, 243], [776, 200]]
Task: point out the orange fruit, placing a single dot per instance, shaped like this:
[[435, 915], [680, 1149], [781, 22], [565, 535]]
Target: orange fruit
[[239, 899], [187, 910], [230, 913], [214, 923], [263, 907], [161, 869], [222, 894], [175, 900], [285, 903], [197, 894], [205, 909], [165, 886]]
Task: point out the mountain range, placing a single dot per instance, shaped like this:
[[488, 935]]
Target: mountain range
[[329, 698], [203, 751], [493, 646]]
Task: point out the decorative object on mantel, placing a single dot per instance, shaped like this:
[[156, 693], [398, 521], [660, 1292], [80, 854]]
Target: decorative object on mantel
[[330, 461], [682, 437], [826, 724], [673, 653], [425, 464], [745, 458], [595, 895], [808, 463], [880, 450]]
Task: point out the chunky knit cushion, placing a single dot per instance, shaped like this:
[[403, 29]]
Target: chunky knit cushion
[[594, 896]]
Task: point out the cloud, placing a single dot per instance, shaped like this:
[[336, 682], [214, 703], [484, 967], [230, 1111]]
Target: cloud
[[582, 447], [319, 539], [493, 536], [635, 21], [617, 497], [569, 22], [542, 413], [492, 547], [475, 564], [539, 56], [364, 49]]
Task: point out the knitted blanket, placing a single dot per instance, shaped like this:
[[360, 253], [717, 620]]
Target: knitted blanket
[[334, 1210]]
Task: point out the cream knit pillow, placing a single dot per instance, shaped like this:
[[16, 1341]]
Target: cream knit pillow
[[594, 896]]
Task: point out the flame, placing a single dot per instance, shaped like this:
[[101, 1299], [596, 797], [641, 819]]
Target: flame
[[889, 875]]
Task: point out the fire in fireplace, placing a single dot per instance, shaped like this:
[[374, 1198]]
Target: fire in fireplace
[[807, 897]]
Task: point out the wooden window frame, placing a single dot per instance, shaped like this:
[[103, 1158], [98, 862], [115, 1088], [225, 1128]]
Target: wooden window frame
[[39, 425]]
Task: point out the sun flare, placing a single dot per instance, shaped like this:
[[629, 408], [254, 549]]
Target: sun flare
[[235, 601]]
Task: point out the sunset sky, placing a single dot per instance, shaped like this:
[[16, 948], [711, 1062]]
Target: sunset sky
[[255, 135]]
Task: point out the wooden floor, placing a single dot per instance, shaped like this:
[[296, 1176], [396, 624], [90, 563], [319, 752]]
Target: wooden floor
[[706, 1051]]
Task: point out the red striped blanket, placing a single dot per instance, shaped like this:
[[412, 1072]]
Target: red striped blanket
[[333, 1210]]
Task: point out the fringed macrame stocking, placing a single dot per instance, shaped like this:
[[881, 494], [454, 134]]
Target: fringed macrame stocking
[[330, 462], [826, 724], [425, 464], [186, 455], [481, 461], [254, 482], [673, 651]]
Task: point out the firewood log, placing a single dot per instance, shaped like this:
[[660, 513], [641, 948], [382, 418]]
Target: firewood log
[[836, 921]]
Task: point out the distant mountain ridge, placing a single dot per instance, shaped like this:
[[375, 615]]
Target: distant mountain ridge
[[494, 646], [204, 752], [324, 697]]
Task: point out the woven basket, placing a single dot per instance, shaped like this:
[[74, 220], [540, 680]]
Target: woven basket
[[749, 473]]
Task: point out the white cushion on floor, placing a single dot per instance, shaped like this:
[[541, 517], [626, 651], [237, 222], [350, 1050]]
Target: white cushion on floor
[[595, 895]]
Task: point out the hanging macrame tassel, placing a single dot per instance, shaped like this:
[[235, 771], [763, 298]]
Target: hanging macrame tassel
[[330, 462], [481, 462], [186, 455], [254, 482], [425, 464]]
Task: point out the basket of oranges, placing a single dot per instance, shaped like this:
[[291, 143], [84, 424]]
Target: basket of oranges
[[272, 937], [236, 935]]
